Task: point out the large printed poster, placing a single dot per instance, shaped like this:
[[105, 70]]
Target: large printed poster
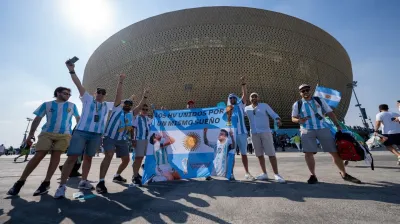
[[190, 143]]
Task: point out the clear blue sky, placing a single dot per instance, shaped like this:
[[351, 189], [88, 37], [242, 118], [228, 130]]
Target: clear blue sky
[[36, 37]]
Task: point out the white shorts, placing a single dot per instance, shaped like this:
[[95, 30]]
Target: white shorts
[[263, 143]]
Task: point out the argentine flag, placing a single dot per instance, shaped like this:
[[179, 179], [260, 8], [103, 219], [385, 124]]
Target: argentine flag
[[332, 97]]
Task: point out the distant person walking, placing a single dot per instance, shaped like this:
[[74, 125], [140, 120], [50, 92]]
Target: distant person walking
[[390, 129], [24, 149]]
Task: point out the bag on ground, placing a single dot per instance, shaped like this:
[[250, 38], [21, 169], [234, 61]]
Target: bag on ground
[[351, 150]]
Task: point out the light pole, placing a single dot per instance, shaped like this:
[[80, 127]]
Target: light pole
[[370, 121], [26, 131], [352, 85]]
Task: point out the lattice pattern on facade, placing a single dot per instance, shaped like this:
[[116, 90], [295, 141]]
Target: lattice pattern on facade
[[199, 54]]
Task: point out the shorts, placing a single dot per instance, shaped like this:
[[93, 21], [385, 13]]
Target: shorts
[[84, 142], [241, 141], [25, 152], [52, 141], [324, 136], [141, 147], [263, 143], [393, 139], [121, 147]]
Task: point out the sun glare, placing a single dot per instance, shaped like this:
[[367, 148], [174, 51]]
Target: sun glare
[[88, 16]]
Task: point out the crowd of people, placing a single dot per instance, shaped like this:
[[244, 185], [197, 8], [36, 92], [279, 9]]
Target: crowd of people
[[108, 124]]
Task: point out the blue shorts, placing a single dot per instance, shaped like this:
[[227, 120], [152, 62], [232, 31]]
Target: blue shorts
[[84, 141], [241, 141], [121, 147]]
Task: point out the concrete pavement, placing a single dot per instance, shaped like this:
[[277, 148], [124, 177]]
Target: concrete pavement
[[199, 201]]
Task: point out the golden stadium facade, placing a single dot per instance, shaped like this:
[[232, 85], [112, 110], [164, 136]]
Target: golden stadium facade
[[199, 54]]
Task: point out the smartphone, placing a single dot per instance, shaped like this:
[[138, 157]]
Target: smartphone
[[72, 60]]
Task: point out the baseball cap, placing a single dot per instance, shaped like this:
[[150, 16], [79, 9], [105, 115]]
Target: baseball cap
[[253, 94], [304, 86], [128, 101]]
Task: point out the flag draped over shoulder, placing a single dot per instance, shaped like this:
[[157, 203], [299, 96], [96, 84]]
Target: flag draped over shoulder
[[332, 97]]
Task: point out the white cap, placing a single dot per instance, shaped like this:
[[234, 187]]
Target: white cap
[[303, 86]]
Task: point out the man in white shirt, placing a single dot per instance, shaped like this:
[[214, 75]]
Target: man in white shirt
[[309, 113], [88, 132], [261, 136], [390, 128]]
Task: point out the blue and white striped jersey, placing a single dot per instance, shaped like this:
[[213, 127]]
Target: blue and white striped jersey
[[58, 116]]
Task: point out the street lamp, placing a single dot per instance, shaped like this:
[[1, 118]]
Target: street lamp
[[362, 110], [26, 131]]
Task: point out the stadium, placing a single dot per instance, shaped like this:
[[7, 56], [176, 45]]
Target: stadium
[[200, 54]]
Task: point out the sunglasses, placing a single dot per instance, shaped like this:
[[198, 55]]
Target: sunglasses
[[145, 109], [128, 104], [232, 97], [305, 90], [254, 96], [66, 94]]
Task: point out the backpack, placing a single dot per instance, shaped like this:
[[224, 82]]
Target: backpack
[[316, 98], [351, 150]]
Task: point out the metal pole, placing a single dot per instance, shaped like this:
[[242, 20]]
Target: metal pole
[[352, 85], [26, 131]]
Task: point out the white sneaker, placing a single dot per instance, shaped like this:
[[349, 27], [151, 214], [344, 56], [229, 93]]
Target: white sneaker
[[279, 178], [248, 176], [85, 185], [60, 192], [262, 176]]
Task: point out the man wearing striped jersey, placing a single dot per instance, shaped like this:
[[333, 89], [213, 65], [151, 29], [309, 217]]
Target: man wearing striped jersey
[[241, 131], [221, 149], [309, 113], [115, 140], [88, 132], [141, 128], [55, 137], [164, 171]]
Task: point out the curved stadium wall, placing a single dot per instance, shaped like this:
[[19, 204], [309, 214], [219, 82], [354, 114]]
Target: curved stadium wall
[[199, 54]]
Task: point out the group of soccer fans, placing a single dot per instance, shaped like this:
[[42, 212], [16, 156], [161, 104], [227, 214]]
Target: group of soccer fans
[[97, 126]]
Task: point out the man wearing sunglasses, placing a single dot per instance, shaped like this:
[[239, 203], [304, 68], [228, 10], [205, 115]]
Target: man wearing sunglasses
[[55, 137], [241, 130], [261, 136], [141, 128], [309, 114], [88, 132], [115, 140]]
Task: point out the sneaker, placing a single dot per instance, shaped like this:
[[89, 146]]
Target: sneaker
[[209, 178], [279, 179], [352, 179], [60, 167], [232, 178], [312, 180], [136, 182], [262, 176], [16, 188], [119, 179], [60, 192], [43, 188], [101, 188], [75, 174], [140, 176], [85, 185], [346, 162], [248, 176]]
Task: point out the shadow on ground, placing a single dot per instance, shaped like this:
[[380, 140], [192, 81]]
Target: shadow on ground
[[160, 199]]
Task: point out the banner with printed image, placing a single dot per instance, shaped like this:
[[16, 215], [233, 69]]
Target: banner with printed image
[[190, 143]]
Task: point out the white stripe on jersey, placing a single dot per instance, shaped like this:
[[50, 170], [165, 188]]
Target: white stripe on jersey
[[86, 123], [142, 125], [239, 112], [114, 124]]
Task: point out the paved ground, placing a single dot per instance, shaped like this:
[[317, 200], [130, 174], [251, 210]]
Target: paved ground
[[198, 201]]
